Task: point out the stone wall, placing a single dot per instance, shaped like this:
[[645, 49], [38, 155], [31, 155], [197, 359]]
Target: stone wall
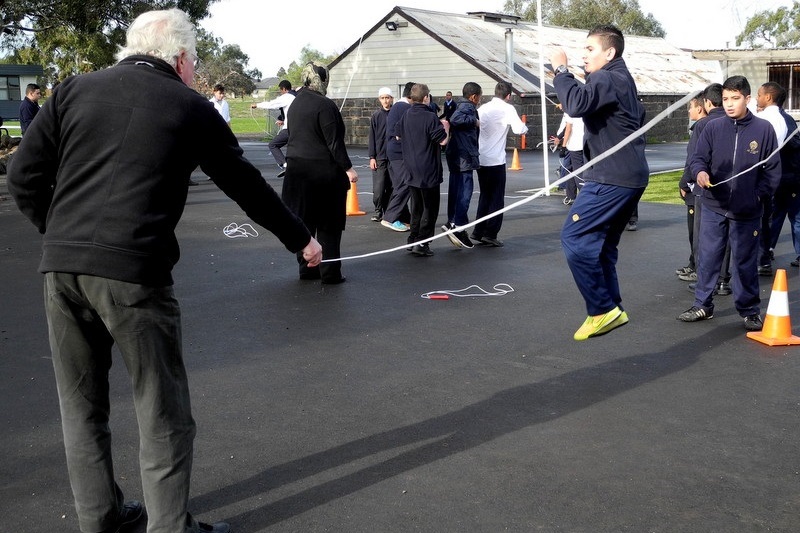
[[357, 111]]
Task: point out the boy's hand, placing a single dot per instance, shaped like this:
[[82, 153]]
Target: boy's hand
[[703, 179], [558, 57]]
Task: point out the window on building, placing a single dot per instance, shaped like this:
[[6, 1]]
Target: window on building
[[787, 75], [9, 88]]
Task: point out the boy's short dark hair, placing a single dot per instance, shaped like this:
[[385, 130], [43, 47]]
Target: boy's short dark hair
[[31, 87], [418, 93], [777, 92], [471, 88], [697, 100], [737, 83], [502, 89], [407, 89], [285, 84], [219, 87], [610, 37], [713, 93]]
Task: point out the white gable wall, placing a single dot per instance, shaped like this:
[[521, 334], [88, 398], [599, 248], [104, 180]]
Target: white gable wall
[[393, 58]]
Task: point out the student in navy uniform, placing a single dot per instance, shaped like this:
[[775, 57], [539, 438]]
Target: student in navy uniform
[[378, 160], [697, 111], [712, 101], [422, 135], [611, 110], [463, 157], [396, 213], [786, 201], [449, 106], [732, 209], [29, 107]]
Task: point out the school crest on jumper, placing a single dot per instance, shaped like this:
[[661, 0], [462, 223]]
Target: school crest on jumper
[[753, 148]]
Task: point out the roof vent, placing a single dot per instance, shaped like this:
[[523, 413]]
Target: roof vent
[[494, 17]]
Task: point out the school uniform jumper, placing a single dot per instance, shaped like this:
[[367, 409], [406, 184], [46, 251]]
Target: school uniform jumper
[[420, 134], [397, 208], [732, 210], [462, 158], [610, 107], [381, 182], [786, 200]]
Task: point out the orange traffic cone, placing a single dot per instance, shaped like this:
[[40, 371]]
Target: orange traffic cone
[[515, 161], [352, 202], [777, 330]]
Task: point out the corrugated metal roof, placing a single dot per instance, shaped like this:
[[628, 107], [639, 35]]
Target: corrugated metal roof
[[657, 66]]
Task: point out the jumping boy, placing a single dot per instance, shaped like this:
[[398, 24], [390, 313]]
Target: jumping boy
[[610, 107], [732, 203]]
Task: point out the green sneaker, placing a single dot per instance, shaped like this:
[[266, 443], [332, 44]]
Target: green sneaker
[[600, 324]]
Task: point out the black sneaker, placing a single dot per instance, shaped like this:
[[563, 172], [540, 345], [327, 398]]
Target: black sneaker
[[130, 513], [489, 241], [684, 270], [765, 270], [422, 250], [753, 323], [282, 173], [464, 238], [632, 226], [219, 527], [695, 313]]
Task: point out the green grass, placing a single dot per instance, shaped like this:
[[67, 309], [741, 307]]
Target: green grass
[[251, 122], [663, 188]]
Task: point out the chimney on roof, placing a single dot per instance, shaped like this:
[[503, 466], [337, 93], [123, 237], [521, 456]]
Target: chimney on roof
[[510, 50]]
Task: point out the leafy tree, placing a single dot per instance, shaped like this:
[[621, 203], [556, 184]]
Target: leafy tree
[[73, 36], [296, 67], [772, 29], [225, 65], [585, 14]]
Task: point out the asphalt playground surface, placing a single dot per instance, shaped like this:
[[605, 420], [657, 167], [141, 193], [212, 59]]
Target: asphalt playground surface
[[364, 407]]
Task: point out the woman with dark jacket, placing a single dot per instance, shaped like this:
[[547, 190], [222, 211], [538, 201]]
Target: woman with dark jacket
[[318, 171]]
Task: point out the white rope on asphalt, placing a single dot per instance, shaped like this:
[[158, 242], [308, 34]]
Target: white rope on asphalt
[[500, 289], [234, 230]]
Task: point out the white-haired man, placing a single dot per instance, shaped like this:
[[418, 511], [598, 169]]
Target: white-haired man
[[103, 174]]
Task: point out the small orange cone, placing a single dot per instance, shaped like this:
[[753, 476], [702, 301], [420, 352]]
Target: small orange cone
[[777, 330], [352, 202], [515, 161]]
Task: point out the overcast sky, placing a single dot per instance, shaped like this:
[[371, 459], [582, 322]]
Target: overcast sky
[[272, 35]]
